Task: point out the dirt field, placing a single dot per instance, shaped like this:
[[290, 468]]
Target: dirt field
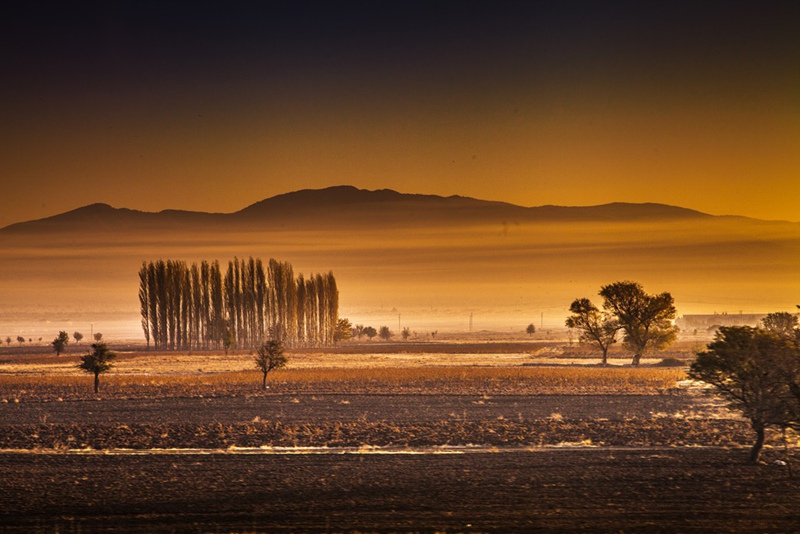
[[178, 443], [638, 490]]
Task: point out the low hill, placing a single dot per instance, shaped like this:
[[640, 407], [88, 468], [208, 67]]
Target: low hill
[[433, 260], [347, 205]]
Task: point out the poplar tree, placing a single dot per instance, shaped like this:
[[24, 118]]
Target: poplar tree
[[152, 291], [192, 307], [217, 305], [144, 302]]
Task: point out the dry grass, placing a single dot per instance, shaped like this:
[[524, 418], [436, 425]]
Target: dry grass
[[548, 369], [411, 380]]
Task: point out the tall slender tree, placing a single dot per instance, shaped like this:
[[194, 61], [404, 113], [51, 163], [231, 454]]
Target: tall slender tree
[[152, 291], [188, 307], [144, 302]]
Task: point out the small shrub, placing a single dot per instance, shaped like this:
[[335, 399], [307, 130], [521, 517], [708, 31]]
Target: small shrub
[[672, 362]]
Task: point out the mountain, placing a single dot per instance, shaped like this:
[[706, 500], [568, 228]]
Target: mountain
[[102, 217], [348, 205], [434, 260]]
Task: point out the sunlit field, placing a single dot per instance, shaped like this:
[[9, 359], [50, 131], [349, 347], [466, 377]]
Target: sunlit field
[[548, 370], [422, 380], [512, 410]]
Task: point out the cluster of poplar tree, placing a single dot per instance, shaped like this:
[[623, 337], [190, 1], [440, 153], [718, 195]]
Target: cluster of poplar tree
[[199, 307]]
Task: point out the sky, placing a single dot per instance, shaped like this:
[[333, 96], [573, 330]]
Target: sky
[[212, 106]]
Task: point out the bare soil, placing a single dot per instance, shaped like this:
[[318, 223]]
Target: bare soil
[[631, 490], [163, 459], [319, 408]]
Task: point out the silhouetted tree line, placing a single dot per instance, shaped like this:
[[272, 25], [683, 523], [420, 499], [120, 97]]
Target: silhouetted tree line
[[199, 307]]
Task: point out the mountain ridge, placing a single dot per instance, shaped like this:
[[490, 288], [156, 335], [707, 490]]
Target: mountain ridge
[[347, 202]]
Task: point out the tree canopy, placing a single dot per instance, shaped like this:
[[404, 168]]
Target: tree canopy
[[344, 330], [756, 371], [98, 361], [597, 328], [384, 333], [59, 343], [782, 323], [269, 356], [646, 320]]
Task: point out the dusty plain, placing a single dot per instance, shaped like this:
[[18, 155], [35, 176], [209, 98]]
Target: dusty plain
[[370, 437]]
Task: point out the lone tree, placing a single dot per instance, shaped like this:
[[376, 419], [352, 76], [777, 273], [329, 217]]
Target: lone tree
[[748, 366], [269, 356], [370, 332], [60, 342], [98, 361], [531, 329], [406, 333], [77, 336], [597, 328], [20, 340], [98, 337], [385, 333], [645, 319]]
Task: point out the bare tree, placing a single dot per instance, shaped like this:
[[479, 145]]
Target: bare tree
[[269, 356]]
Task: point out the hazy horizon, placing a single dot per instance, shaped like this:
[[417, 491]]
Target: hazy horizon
[[432, 270], [212, 107]]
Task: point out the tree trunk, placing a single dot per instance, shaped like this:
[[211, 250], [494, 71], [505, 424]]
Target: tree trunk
[[264, 382], [605, 356], [96, 382], [636, 358], [755, 452]]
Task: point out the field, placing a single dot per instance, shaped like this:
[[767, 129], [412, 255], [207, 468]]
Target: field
[[454, 437]]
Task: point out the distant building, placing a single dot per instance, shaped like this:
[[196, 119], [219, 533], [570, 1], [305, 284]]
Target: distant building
[[688, 323]]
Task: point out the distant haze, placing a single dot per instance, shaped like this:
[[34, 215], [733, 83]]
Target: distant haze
[[431, 260]]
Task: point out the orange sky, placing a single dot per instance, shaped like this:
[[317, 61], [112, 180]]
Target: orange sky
[[213, 111]]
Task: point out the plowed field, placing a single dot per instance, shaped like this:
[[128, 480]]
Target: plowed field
[[412, 449]]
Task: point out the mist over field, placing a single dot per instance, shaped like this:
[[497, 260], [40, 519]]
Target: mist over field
[[431, 260]]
